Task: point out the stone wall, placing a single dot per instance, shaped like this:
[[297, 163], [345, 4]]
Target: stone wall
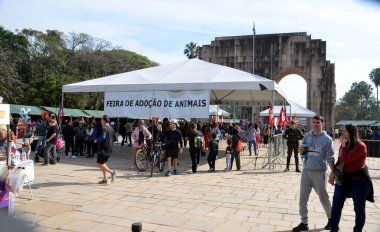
[[279, 55]]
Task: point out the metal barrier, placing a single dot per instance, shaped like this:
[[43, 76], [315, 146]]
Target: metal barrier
[[276, 151], [373, 154]]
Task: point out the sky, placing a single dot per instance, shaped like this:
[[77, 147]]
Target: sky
[[160, 29]]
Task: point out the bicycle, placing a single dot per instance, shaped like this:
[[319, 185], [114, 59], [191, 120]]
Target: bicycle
[[154, 154], [157, 158]]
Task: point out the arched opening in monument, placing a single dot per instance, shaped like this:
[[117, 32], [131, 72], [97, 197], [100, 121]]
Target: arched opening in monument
[[295, 88]]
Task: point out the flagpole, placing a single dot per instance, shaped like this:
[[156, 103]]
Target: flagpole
[[253, 47], [253, 55]]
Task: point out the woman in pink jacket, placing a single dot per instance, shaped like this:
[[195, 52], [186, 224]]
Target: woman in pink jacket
[[139, 135]]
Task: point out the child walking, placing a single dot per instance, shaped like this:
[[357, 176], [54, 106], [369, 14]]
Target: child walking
[[213, 152], [228, 155]]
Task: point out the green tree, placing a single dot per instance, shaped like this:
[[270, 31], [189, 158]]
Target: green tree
[[357, 103], [11, 86], [191, 50], [374, 76], [17, 50], [35, 65]]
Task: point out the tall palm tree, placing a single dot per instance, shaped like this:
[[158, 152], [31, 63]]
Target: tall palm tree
[[375, 78], [191, 50]]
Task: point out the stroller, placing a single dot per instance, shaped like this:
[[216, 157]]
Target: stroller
[[58, 147]]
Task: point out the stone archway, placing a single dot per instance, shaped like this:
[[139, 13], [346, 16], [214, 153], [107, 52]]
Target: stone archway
[[278, 55]]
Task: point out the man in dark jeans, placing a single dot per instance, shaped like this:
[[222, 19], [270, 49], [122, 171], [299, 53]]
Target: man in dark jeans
[[128, 130], [123, 133], [213, 152], [51, 140], [80, 135], [293, 135], [68, 134], [235, 153], [194, 151]]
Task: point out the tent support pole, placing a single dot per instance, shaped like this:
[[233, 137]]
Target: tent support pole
[[271, 147], [217, 114], [61, 118], [62, 99]]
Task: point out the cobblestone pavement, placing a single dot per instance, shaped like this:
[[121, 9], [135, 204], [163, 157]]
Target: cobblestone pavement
[[68, 198]]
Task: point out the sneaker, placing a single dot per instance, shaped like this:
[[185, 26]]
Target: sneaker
[[113, 176], [213, 170], [297, 170], [301, 227], [210, 170], [286, 170], [328, 226], [73, 157], [168, 173], [175, 172], [102, 181], [45, 164], [67, 157]]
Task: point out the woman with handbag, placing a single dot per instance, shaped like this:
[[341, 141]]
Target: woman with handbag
[[351, 178]]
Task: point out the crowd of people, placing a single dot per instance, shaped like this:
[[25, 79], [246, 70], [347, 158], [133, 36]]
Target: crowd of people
[[365, 132], [349, 174]]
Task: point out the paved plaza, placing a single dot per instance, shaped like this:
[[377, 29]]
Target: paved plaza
[[68, 198]]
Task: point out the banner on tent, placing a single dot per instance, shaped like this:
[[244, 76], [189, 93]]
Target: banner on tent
[[182, 104], [4, 114]]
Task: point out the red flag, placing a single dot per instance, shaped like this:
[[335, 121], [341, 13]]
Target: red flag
[[287, 121], [60, 113], [271, 119], [281, 120]]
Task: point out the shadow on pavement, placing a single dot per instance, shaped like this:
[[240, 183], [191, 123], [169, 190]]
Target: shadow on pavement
[[52, 184]]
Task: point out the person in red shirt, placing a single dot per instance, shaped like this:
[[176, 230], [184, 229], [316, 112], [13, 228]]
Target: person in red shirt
[[355, 181]]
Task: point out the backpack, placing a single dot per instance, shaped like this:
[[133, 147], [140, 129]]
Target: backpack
[[199, 141], [239, 146]]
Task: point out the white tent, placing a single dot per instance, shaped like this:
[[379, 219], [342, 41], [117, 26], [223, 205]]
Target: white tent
[[215, 110], [226, 85], [295, 109]]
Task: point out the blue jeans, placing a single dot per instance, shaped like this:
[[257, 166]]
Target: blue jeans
[[359, 191], [254, 146], [40, 143], [48, 147]]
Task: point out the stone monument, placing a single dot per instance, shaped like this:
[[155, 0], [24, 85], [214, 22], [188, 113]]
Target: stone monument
[[279, 55]]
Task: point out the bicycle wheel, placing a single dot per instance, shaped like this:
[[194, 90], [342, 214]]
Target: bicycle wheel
[[161, 161], [141, 160], [153, 162]]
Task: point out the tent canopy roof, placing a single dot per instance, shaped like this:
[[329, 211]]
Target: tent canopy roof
[[227, 85], [214, 110], [67, 112], [95, 113], [295, 109], [16, 109]]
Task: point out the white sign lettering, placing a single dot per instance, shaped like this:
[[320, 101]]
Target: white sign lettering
[[183, 104]]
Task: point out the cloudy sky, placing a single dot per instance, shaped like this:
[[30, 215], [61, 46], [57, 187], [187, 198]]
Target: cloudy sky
[[160, 29]]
